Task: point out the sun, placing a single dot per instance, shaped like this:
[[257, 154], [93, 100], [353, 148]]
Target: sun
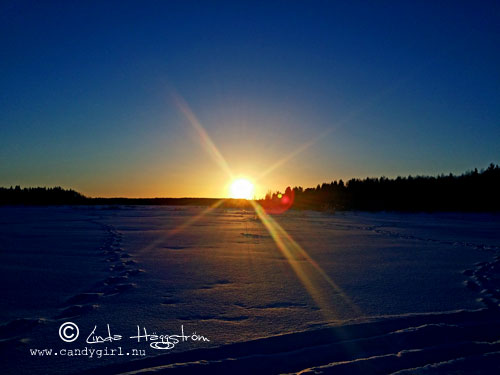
[[241, 188]]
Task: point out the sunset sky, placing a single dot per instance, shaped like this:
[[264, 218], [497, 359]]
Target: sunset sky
[[101, 97]]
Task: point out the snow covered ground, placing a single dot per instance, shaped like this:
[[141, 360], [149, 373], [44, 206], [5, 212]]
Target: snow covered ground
[[303, 291]]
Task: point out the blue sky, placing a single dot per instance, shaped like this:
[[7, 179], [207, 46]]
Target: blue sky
[[385, 88]]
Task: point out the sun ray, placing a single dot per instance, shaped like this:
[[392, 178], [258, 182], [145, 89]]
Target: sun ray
[[346, 119], [294, 253], [294, 153], [205, 138], [194, 219], [180, 228]]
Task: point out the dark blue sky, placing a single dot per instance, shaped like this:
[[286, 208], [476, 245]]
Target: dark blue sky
[[385, 88]]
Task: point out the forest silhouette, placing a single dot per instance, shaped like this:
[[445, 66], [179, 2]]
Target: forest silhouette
[[471, 191]]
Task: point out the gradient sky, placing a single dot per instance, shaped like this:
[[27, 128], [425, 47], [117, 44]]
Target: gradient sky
[[88, 92]]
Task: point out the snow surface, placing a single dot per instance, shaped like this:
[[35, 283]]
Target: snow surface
[[365, 292]]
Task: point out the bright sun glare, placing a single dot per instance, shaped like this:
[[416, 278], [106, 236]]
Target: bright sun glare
[[241, 189]]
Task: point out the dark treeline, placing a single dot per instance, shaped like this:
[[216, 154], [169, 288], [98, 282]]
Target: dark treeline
[[471, 191], [42, 196]]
